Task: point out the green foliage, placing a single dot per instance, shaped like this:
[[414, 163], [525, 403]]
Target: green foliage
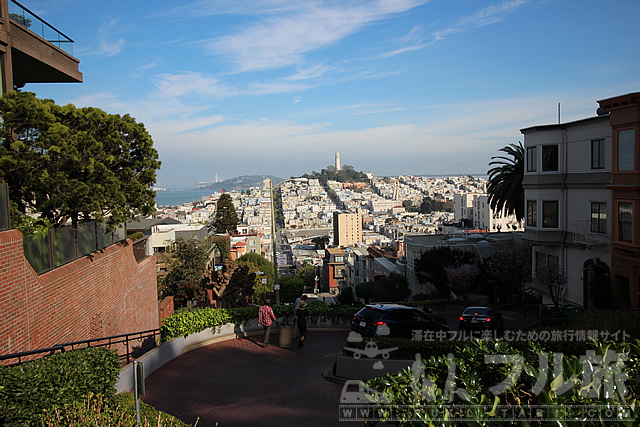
[[429, 205], [185, 280], [290, 288], [135, 236], [391, 288], [94, 411], [504, 186], [426, 382], [609, 320], [74, 163], [193, 321], [27, 390], [257, 262], [223, 244], [185, 322], [346, 296], [346, 174], [226, 219]]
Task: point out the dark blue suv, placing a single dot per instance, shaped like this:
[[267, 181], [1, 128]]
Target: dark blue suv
[[393, 320]]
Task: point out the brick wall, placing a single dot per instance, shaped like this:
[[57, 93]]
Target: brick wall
[[105, 293]]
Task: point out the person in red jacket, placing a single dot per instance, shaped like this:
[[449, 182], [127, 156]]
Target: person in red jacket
[[266, 318]]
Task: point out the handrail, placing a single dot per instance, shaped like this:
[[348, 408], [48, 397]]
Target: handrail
[[127, 339]]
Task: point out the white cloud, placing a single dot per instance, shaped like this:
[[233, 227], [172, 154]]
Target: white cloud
[[283, 40], [108, 44]]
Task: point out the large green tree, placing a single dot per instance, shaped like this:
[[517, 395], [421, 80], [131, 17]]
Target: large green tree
[[67, 163], [505, 181], [188, 267], [226, 218], [256, 262]]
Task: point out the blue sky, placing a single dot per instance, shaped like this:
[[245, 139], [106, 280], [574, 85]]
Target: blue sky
[[243, 87]]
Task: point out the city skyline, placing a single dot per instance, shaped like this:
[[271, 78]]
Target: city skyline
[[407, 87]]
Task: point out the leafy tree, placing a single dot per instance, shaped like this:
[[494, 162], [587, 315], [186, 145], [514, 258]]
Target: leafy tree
[[429, 205], [461, 278], [226, 219], [231, 284], [68, 163], [346, 296], [504, 186], [365, 291], [432, 264], [508, 270], [393, 287], [187, 270], [308, 274], [290, 288], [223, 244], [256, 262]]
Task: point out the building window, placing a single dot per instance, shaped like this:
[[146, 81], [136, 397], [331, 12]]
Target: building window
[[626, 145], [532, 213], [550, 214], [549, 158], [542, 259], [597, 154], [625, 222], [531, 159], [598, 217]]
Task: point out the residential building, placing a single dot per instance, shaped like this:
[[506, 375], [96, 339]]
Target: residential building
[[625, 196], [347, 228], [568, 203], [334, 270]]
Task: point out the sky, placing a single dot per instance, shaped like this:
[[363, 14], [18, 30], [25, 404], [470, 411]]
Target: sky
[[398, 87]]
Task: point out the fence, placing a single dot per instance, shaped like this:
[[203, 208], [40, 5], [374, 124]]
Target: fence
[[129, 346], [51, 249]]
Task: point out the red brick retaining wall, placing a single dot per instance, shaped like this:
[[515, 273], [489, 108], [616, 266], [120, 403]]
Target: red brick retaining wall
[[105, 293]]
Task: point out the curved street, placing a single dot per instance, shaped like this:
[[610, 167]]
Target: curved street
[[239, 383]]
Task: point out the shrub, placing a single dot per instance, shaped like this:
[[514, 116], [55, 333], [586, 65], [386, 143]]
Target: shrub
[[27, 390], [95, 411]]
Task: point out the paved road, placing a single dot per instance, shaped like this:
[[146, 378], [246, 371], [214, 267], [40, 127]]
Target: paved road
[[239, 383]]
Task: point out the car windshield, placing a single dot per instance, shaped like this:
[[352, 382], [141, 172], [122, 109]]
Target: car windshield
[[476, 311]]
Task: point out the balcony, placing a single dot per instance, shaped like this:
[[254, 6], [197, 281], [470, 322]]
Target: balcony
[[30, 20], [582, 234], [39, 52]]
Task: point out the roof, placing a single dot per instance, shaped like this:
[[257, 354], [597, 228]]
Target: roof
[[143, 224]]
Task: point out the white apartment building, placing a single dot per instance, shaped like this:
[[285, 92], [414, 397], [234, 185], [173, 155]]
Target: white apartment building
[[568, 202]]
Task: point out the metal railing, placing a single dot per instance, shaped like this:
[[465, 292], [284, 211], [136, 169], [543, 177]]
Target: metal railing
[[129, 346], [582, 234], [33, 22]]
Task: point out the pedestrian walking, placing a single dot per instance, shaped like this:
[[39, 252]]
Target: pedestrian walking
[[301, 316], [266, 318], [297, 304]]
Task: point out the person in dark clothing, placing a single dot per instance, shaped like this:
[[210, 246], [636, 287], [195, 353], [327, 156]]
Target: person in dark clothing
[[301, 315]]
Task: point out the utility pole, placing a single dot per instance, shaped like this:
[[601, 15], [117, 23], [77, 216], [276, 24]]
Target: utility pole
[[276, 286]]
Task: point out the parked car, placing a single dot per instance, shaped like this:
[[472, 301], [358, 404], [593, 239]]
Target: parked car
[[393, 320], [481, 318]]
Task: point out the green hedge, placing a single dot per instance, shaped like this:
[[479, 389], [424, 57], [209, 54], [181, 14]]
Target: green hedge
[[427, 384], [95, 411], [185, 322], [28, 389]]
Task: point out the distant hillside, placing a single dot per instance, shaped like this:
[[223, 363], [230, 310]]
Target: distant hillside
[[242, 183]]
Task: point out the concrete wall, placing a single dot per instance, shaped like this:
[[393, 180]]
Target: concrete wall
[[103, 294]]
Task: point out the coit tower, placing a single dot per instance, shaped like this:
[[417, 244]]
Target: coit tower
[[337, 161]]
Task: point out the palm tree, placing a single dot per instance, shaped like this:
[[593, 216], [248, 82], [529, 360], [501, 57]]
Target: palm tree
[[505, 181]]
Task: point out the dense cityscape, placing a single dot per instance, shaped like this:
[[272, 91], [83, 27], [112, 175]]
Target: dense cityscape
[[338, 297]]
